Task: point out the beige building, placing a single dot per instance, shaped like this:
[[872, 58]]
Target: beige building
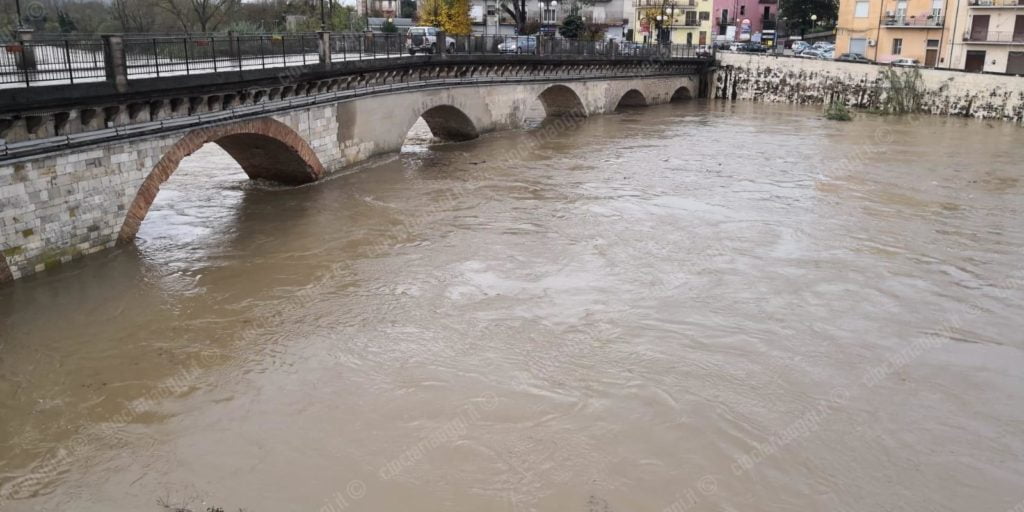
[[972, 35], [988, 35], [678, 21], [884, 30]]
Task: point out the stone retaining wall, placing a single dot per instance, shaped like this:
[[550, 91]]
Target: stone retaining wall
[[807, 81]]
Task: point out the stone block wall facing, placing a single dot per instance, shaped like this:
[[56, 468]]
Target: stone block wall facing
[[806, 81]]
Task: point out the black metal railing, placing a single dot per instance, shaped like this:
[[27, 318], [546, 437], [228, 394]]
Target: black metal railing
[[155, 57], [47, 60], [994, 37], [54, 60], [924, 21]]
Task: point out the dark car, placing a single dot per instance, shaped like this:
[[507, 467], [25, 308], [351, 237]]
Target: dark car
[[752, 48], [853, 57]]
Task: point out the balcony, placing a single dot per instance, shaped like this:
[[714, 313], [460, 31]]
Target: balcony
[[927, 21], [684, 24], [986, 37], [659, 4], [772, 2], [996, 4]]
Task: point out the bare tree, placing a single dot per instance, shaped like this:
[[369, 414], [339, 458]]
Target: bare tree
[[517, 10], [206, 15], [133, 15]]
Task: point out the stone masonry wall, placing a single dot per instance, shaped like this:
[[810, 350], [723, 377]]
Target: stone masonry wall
[[806, 81], [74, 202]]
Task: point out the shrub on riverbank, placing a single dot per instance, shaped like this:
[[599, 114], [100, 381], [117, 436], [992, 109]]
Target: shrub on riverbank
[[904, 91], [836, 111]]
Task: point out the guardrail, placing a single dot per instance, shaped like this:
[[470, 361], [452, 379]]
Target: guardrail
[[996, 3], [914, 21], [43, 145], [52, 61], [995, 37]]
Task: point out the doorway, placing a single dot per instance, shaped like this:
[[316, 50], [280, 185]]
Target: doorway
[[930, 56], [979, 27], [975, 62], [1015, 63]]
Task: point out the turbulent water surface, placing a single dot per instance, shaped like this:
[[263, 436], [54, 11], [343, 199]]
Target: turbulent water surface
[[715, 307]]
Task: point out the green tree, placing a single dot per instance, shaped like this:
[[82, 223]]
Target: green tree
[[347, 19], [572, 27], [798, 13], [407, 8], [65, 22]]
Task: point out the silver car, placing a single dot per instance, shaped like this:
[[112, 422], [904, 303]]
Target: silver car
[[519, 44]]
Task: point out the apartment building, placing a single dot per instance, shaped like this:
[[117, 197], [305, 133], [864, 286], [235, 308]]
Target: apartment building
[[988, 35], [884, 30], [971, 35], [678, 21], [744, 20], [488, 17]]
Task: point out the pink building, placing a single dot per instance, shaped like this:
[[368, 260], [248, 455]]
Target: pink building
[[744, 20]]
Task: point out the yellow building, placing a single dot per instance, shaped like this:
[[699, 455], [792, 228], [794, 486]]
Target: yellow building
[[680, 21], [987, 35], [884, 30]]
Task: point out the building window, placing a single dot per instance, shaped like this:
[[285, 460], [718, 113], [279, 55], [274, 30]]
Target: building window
[[691, 18], [937, 8], [705, 15], [549, 15], [933, 43], [861, 9], [897, 46], [743, 10]]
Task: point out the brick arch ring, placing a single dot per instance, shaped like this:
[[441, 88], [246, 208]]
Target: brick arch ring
[[265, 148]]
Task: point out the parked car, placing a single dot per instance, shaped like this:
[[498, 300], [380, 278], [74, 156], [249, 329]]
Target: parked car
[[424, 39], [809, 53], [752, 48], [905, 62], [853, 57], [799, 46], [519, 44]]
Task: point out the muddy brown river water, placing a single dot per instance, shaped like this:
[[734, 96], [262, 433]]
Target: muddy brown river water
[[724, 307]]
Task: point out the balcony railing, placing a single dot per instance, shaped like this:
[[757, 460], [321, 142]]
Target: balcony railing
[[685, 24], [994, 37], [928, 21], [658, 4], [996, 3]]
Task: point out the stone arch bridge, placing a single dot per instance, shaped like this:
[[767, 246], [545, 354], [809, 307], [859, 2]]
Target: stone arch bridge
[[78, 175]]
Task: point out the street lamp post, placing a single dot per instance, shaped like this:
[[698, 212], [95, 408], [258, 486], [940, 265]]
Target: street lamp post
[[542, 6], [323, 17], [17, 6], [659, 21]]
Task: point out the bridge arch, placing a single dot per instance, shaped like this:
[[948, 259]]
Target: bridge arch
[[449, 123], [681, 93], [562, 101], [632, 98], [264, 148]]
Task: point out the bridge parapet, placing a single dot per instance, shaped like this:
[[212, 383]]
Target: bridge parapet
[[39, 120]]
